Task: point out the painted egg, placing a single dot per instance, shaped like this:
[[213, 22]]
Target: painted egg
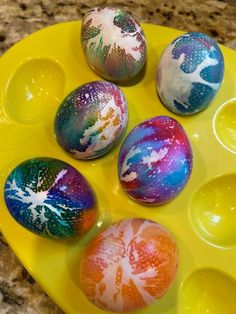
[[50, 198], [91, 120], [129, 265], [113, 42], [155, 161], [190, 73]]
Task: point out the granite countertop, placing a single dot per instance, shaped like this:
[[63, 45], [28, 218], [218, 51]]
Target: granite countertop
[[19, 293]]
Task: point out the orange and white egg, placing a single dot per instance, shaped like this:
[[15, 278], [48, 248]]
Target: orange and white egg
[[129, 265]]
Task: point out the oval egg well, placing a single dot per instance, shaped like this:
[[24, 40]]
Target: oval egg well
[[36, 85], [213, 211], [208, 291], [225, 125]]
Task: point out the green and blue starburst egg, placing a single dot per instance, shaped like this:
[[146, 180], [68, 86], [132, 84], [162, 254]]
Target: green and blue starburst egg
[[50, 198], [190, 73]]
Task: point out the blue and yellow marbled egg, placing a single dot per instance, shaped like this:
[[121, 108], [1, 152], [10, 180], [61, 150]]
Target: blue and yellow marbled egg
[[50, 198], [91, 120], [190, 73]]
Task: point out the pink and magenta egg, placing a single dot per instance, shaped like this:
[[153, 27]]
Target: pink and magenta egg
[[129, 265], [155, 161]]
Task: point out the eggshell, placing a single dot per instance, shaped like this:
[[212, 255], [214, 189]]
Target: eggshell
[[190, 73], [155, 161], [129, 265], [113, 42], [91, 120], [50, 198]]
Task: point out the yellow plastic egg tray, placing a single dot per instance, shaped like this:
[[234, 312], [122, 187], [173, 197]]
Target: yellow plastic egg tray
[[35, 75]]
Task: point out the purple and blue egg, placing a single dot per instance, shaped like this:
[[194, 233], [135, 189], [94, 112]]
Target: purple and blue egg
[[190, 73], [91, 120], [50, 198], [155, 161]]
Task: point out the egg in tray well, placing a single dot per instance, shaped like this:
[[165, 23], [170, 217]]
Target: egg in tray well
[[36, 75]]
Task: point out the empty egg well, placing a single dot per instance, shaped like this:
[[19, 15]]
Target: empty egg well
[[208, 291], [34, 90], [213, 211], [225, 125]]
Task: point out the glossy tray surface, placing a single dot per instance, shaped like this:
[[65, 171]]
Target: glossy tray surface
[[36, 74]]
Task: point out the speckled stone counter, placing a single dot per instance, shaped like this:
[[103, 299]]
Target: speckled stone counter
[[19, 293], [216, 18]]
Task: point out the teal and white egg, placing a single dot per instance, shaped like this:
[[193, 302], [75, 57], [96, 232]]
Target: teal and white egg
[[190, 73], [113, 43]]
